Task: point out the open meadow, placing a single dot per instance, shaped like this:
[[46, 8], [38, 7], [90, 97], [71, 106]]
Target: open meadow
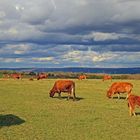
[[28, 113]]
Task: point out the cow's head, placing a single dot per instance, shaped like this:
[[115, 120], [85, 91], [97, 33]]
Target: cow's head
[[109, 94], [52, 92]]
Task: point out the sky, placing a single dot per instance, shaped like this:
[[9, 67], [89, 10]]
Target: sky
[[69, 33]]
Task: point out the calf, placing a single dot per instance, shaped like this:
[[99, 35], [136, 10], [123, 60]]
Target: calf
[[133, 100], [63, 86], [119, 87]]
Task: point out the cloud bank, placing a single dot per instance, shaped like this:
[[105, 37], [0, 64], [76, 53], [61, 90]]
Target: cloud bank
[[61, 33]]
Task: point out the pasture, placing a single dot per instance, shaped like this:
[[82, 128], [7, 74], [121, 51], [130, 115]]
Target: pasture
[[28, 113]]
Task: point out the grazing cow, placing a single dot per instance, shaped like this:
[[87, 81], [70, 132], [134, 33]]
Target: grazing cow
[[16, 76], [42, 76], [107, 77], [119, 87], [63, 86], [133, 100], [81, 77]]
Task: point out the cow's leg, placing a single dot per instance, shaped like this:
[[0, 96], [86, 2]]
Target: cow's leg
[[74, 98], [118, 95], [127, 96], [130, 111], [59, 95], [69, 95], [133, 112]]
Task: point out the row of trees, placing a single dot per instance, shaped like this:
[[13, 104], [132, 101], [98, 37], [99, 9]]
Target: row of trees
[[72, 75]]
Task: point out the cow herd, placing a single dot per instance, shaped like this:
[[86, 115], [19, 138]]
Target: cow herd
[[39, 76], [69, 87], [125, 87], [116, 88], [14, 76]]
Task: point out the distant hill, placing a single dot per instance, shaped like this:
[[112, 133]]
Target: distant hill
[[80, 69]]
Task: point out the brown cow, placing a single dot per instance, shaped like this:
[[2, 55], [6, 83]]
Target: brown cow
[[31, 79], [119, 87], [107, 77], [133, 100], [42, 76], [81, 77], [16, 76], [63, 86]]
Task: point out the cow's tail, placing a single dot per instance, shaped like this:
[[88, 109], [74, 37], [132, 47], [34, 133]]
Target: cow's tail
[[73, 91], [128, 104]]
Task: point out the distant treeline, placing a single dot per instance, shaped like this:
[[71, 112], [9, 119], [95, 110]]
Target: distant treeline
[[72, 75], [135, 70]]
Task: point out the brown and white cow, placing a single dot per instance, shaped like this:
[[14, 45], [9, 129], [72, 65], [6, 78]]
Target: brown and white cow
[[42, 76], [81, 77], [107, 77], [119, 87], [63, 86], [133, 101]]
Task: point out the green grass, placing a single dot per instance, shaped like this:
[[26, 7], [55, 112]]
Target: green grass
[[28, 113]]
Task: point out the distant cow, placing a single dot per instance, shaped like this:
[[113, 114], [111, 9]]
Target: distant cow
[[81, 77], [107, 77], [63, 86], [133, 100], [42, 76], [16, 76], [31, 79], [119, 87]]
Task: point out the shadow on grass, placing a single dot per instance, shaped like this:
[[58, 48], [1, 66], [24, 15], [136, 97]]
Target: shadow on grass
[[9, 120], [137, 113], [71, 98], [121, 98]]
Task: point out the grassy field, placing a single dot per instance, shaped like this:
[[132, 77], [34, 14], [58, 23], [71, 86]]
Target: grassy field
[[28, 113]]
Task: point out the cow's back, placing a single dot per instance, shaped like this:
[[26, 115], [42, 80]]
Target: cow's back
[[62, 84], [16, 76], [133, 99], [121, 86]]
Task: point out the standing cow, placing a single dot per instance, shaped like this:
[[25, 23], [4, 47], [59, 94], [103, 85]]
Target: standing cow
[[42, 76], [81, 77], [120, 87], [63, 86], [107, 77]]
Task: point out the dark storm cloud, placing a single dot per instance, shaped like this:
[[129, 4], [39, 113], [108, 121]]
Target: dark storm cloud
[[47, 31]]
